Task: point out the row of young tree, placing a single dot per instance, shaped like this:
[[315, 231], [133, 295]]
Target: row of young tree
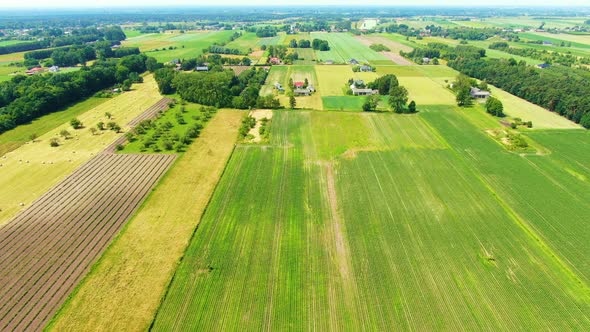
[[559, 89], [23, 99]]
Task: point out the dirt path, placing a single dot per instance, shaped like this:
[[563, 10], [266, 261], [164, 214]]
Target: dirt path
[[338, 245]]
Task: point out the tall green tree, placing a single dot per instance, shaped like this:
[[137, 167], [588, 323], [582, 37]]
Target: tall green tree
[[462, 87], [398, 98], [494, 107]]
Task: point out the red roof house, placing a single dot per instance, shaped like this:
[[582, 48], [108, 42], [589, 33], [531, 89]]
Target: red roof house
[[298, 84]]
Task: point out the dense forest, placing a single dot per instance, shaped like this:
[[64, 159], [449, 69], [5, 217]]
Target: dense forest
[[219, 88], [558, 89], [23, 99]]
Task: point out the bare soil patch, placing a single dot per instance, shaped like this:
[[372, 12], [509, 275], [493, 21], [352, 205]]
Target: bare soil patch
[[398, 59], [258, 115]]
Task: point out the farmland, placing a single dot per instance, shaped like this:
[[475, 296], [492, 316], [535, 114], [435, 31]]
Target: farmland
[[35, 167], [48, 248], [210, 198], [460, 250], [133, 273]]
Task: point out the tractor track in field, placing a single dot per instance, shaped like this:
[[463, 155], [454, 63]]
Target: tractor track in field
[[48, 248]]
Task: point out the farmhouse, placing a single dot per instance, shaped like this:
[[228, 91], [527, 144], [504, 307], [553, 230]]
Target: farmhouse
[[298, 84], [363, 92], [274, 61], [543, 65], [34, 71], [479, 94], [202, 68], [53, 69], [365, 68], [354, 62], [425, 60], [303, 92]]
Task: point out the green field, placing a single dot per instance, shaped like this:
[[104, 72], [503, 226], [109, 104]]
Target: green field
[[248, 41], [351, 221], [12, 42], [557, 39], [188, 45], [344, 47]]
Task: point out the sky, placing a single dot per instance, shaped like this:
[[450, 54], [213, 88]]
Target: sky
[[167, 3]]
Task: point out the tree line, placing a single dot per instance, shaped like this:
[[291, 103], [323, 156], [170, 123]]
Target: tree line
[[77, 37]]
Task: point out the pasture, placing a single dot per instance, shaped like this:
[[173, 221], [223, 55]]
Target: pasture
[[33, 168], [344, 47], [375, 221], [50, 246], [135, 270]]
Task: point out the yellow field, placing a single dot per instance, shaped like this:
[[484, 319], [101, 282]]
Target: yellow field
[[29, 171], [425, 91], [123, 290], [541, 118]]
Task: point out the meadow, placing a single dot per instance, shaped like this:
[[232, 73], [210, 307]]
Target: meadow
[[375, 221]]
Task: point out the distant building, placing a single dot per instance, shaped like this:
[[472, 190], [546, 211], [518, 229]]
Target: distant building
[[302, 92], [274, 61], [311, 88], [298, 84], [547, 43], [479, 94], [543, 65], [202, 68], [363, 92], [279, 87], [353, 62], [34, 71], [329, 62], [365, 68], [425, 60], [53, 69]]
